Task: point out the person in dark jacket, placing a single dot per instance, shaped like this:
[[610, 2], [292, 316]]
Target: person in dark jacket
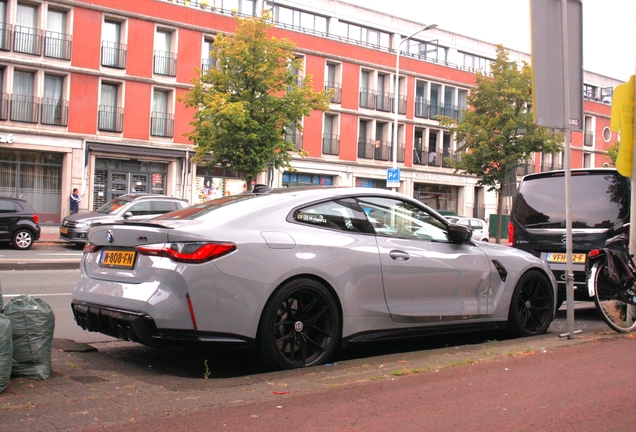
[[75, 199]]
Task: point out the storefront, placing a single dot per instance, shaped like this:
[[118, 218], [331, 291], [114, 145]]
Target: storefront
[[215, 182], [440, 197], [35, 176], [371, 183], [291, 179]]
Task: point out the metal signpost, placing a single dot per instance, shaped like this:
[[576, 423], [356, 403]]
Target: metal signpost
[[557, 99]]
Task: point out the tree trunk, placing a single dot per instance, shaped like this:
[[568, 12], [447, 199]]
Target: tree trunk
[[499, 214]]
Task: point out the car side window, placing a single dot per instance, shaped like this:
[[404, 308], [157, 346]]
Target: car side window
[[476, 225], [464, 222], [343, 215], [7, 207], [393, 217], [140, 209], [161, 207]]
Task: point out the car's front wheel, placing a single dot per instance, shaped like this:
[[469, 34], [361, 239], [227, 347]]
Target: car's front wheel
[[532, 305], [299, 327], [22, 239]]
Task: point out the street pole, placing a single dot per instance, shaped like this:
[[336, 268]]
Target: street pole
[[396, 93]]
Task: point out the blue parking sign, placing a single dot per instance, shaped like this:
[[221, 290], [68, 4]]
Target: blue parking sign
[[393, 175]]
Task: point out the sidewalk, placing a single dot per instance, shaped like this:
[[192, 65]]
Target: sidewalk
[[50, 234], [92, 386]]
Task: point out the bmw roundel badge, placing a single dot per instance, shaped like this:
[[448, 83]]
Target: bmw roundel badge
[[109, 237]]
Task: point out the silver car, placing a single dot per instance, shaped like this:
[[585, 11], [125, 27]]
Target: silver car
[[297, 273]]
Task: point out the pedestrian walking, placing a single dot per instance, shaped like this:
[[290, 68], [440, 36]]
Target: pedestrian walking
[[75, 199]]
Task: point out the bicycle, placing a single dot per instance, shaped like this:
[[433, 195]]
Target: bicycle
[[611, 282]]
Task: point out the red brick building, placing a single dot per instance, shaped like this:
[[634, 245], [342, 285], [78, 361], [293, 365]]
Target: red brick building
[[90, 99]]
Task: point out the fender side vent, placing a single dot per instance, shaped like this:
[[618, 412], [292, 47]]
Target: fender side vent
[[503, 273]]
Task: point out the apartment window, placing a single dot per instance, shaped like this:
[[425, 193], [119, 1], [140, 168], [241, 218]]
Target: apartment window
[[207, 61], [57, 43], [450, 109], [330, 138], [244, 7], [588, 131], [161, 121], [165, 61], [26, 38], [24, 105], [54, 107], [589, 92], [422, 50], [401, 98], [5, 29], [366, 144], [383, 101], [110, 115], [367, 95], [435, 105], [113, 51], [367, 36], [294, 135], [476, 63], [587, 160], [606, 95], [333, 82], [419, 151], [382, 142], [4, 101], [421, 101], [299, 19]]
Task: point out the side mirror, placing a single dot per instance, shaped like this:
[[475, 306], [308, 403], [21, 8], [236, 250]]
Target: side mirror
[[127, 215], [459, 233]]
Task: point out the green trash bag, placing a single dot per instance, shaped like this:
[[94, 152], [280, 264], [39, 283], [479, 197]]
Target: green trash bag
[[32, 325], [6, 351]]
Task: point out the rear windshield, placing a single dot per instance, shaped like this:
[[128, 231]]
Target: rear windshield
[[197, 210], [599, 200]]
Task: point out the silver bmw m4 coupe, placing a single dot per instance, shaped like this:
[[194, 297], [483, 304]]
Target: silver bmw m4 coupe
[[297, 273]]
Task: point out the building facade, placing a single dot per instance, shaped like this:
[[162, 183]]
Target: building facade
[[90, 99]]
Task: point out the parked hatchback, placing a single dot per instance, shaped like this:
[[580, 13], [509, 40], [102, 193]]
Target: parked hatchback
[[479, 226], [125, 207], [18, 223]]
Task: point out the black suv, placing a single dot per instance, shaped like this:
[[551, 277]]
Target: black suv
[[18, 223], [126, 207], [600, 200]]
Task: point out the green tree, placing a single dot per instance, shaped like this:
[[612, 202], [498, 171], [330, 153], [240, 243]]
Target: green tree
[[612, 152], [245, 105], [497, 133]]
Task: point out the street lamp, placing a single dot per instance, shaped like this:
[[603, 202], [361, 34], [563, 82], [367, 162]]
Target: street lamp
[[397, 89]]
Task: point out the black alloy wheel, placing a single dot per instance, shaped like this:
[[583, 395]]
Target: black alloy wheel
[[300, 326], [532, 305]]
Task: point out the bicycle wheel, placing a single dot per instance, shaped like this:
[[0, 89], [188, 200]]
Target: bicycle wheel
[[620, 316]]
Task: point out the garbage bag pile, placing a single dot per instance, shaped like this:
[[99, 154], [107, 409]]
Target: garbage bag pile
[[26, 339]]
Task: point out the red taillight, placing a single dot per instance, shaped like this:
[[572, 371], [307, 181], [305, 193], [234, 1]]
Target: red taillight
[[593, 253], [193, 253], [36, 218], [511, 233]]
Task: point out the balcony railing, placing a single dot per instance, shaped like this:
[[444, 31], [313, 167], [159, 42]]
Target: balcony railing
[[366, 149], [27, 40], [419, 157], [54, 112], [165, 63], [110, 119], [161, 124], [435, 110], [433, 157], [24, 108], [367, 98], [550, 167], [421, 108], [401, 105], [448, 157], [382, 150], [114, 55], [4, 107], [588, 139], [525, 169], [384, 102], [207, 64], [5, 37], [451, 111], [331, 144], [296, 138], [400, 153], [58, 45], [337, 91]]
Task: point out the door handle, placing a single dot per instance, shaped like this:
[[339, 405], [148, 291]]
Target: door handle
[[399, 255]]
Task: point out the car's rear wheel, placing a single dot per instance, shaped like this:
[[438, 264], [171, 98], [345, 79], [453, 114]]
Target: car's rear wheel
[[300, 326], [22, 239], [532, 305]]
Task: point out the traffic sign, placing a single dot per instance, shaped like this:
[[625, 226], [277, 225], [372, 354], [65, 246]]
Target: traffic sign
[[393, 177]]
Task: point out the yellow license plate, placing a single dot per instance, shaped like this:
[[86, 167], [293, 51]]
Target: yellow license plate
[[562, 258], [63, 231], [118, 258]]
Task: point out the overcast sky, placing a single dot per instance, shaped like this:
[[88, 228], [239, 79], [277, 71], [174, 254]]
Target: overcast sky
[[609, 26]]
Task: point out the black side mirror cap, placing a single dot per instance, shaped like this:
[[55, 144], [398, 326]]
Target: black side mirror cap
[[459, 233]]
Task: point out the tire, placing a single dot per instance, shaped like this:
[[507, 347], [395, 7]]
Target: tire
[[300, 326], [621, 317], [22, 239], [532, 305]]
